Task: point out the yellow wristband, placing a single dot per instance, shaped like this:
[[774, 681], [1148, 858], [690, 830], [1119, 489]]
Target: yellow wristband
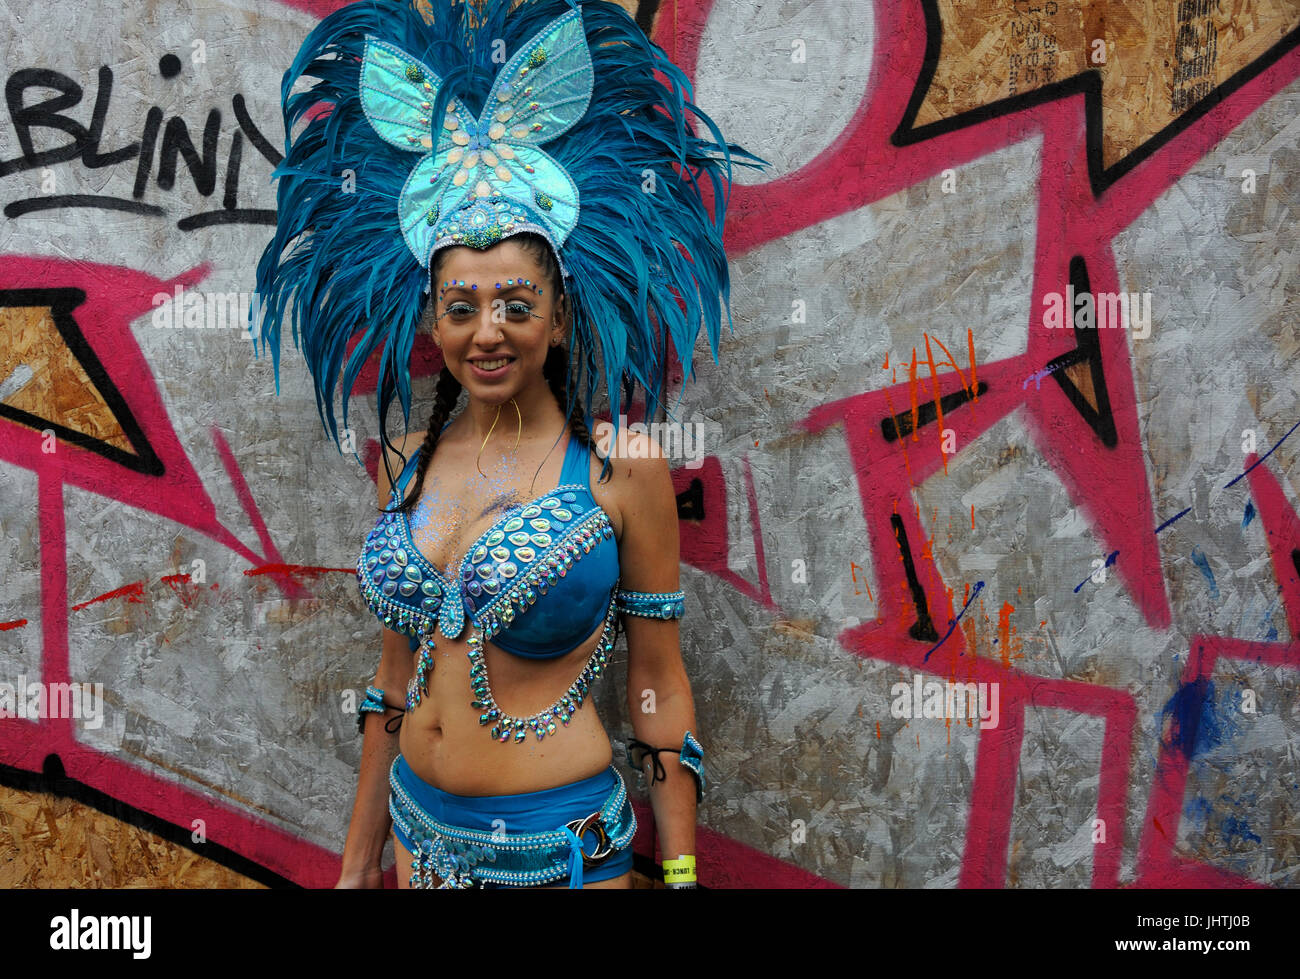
[[680, 871]]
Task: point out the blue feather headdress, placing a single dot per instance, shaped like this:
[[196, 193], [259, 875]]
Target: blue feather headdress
[[418, 134]]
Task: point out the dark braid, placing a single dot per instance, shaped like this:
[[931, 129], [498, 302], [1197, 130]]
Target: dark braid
[[445, 396], [555, 370]]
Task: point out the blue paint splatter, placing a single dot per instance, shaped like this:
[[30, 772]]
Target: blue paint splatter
[[1249, 515], [1198, 811], [1110, 559], [1197, 723], [1200, 561], [1234, 827], [1176, 516], [952, 623]]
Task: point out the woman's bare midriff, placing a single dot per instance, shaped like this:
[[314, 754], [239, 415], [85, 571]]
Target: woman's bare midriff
[[446, 746]]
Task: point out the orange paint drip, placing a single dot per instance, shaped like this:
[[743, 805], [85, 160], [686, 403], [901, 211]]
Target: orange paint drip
[[877, 730], [952, 362], [972, 516], [938, 401], [853, 570], [902, 443], [970, 343], [911, 390], [1004, 631]]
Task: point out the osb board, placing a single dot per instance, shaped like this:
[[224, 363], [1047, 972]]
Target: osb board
[[1160, 58], [48, 841], [52, 383]]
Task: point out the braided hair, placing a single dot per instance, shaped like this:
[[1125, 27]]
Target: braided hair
[[555, 370]]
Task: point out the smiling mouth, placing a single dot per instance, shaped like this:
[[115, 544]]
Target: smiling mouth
[[491, 365]]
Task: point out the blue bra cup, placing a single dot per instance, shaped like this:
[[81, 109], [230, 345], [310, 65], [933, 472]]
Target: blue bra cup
[[541, 578]]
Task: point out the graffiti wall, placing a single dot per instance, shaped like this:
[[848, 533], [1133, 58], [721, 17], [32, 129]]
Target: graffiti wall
[[992, 561]]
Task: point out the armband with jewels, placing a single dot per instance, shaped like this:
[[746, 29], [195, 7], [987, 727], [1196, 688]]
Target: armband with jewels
[[690, 755], [374, 703], [650, 604]]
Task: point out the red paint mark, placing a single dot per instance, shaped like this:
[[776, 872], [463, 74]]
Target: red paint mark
[[291, 588], [15, 624], [175, 583], [877, 730], [972, 516], [296, 569], [132, 593]]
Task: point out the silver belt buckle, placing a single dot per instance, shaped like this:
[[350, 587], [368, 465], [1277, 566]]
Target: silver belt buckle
[[603, 845]]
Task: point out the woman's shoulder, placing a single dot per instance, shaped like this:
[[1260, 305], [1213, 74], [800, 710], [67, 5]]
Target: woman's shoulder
[[639, 482]]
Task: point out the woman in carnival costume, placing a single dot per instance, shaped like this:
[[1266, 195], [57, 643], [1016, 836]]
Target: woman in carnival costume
[[516, 180]]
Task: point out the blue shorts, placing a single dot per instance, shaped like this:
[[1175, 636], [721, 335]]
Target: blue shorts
[[490, 845]]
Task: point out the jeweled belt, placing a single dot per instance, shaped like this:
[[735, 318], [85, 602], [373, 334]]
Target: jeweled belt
[[468, 858]]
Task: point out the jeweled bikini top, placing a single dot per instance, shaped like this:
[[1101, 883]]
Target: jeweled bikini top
[[528, 561], [559, 546]]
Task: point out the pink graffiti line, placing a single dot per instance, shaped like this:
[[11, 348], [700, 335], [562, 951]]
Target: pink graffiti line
[[114, 297], [1159, 863], [887, 473], [705, 543], [862, 164]]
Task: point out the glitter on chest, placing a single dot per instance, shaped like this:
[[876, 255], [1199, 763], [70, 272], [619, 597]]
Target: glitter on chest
[[443, 523]]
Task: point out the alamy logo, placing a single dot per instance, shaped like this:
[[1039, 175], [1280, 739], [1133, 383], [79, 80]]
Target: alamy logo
[[102, 931], [1101, 311], [35, 701], [934, 699], [675, 440], [194, 309]]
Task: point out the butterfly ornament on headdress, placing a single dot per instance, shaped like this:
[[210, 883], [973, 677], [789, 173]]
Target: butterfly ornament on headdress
[[486, 178]]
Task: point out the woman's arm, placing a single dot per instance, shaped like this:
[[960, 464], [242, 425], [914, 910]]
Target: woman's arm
[[658, 690], [371, 822]]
